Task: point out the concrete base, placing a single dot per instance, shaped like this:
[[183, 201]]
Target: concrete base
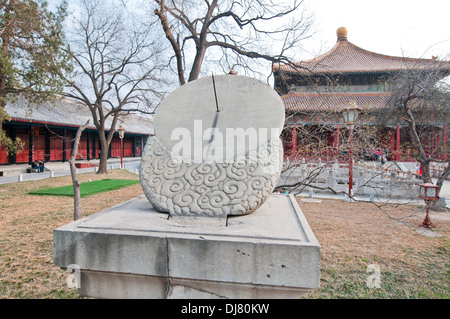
[[132, 251]]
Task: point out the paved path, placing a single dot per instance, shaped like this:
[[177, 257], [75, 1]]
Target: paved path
[[17, 173], [445, 192]]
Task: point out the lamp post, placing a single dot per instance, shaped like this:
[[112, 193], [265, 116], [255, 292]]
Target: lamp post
[[428, 192], [350, 116], [121, 135]]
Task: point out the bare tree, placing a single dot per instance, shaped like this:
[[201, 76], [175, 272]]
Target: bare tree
[[115, 68], [422, 98], [73, 172], [313, 146], [231, 33]]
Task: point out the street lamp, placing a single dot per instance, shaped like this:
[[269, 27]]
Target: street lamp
[[121, 135], [428, 192], [350, 117], [351, 113]]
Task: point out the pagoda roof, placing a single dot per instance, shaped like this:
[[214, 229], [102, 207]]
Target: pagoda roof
[[347, 58], [72, 114]]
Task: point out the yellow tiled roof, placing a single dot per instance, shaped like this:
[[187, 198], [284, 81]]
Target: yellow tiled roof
[[345, 57]]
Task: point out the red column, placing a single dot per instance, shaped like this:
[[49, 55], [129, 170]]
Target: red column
[[121, 152], [4, 158], [336, 140], [294, 140], [445, 142], [397, 146], [350, 161]]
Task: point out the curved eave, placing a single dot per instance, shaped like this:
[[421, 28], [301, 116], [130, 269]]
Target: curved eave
[[445, 71], [324, 73], [347, 58]]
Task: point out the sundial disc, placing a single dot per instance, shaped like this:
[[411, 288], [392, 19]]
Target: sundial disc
[[246, 106], [216, 151]]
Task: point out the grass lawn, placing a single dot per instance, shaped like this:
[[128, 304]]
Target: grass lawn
[[87, 188]]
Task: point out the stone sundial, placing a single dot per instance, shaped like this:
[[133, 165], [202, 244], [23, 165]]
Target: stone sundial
[[216, 150]]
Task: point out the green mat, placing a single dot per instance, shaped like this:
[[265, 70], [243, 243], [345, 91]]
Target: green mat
[[88, 188]]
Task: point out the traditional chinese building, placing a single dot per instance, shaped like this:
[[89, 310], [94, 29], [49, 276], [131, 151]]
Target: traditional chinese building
[[316, 91], [48, 131]]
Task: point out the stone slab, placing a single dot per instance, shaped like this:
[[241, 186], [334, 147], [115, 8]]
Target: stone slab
[[243, 103], [132, 251]]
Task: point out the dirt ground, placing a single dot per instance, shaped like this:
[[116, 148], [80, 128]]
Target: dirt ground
[[27, 223], [353, 236]]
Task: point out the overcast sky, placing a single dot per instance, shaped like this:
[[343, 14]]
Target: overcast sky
[[411, 28]]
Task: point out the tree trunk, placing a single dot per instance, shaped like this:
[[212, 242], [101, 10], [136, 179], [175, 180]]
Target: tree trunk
[[174, 42], [201, 44], [426, 176], [197, 65], [417, 144], [104, 147], [73, 172]]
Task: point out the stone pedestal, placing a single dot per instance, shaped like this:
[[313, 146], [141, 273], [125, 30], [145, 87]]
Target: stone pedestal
[[132, 251]]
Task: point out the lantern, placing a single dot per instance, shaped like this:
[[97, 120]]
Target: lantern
[[351, 113], [428, 192], [121, 131], [350, 116]]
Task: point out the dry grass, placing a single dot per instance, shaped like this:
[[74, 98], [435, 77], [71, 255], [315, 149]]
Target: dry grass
[[356, 235], [352, 236], [27, 223]]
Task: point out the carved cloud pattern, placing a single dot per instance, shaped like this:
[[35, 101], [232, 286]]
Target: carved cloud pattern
[[208, 188]]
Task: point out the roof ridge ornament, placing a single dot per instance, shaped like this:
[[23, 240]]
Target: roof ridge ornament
[[341, 34]]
